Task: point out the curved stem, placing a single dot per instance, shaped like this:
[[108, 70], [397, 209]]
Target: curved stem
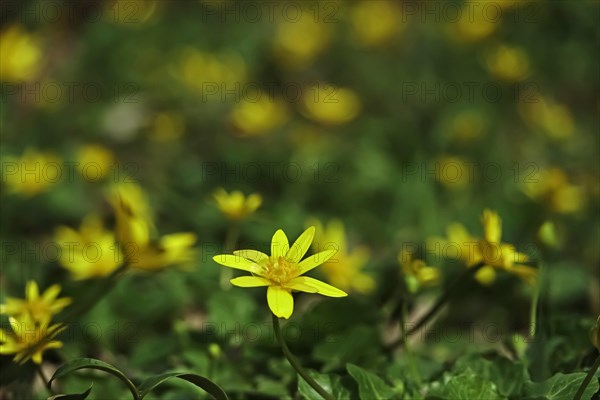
[[292, 360], [441, 301], [44, 379], [588, 378]]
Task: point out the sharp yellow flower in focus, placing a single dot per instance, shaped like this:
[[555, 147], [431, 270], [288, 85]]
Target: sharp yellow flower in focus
[[40, 308], [508, 63], [32, 173], [502, 255], [29, 339], [282, 271], [236, 205], [94, 162], [376, 23], [91, 252], [258, 117], [329, 104], [135, 229], [416, 272], [345, 269], [20, 55]]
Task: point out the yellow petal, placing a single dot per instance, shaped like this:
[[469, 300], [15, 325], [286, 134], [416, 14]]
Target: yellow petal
[[280, 301], [279, 244], [31, 291], [315, 260], [253, 255], [237, 262], [51, 293], [486, 275], [250, 281], [301, 245], [320, 287]]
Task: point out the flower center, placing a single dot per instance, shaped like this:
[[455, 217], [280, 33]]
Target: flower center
[[280, 270]]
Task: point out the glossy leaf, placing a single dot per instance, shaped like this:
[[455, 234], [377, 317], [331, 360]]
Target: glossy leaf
[[204, 383]]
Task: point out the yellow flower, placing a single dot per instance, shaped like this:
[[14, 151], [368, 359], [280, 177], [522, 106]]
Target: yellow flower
[[167, 126], [345, 269], [552, 186], [39, 308], [299, 42], [595, 334], [330, 105], [20, 55], [453, 172], [551, 118], [134, 230], [281, 271], [235, 205], [502, 255], [476, 21], [376, 22], [258, 117], [212, 75], [29, 339], [90, 252], [468, 125], [32, 173], [508, 63], [416, 271], [94, 162]]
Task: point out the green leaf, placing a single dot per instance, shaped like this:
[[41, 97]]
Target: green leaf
[[465, 386], [370, 386], [91, 363], [559, 387], [204, 383], [331, 383], [73, 396]]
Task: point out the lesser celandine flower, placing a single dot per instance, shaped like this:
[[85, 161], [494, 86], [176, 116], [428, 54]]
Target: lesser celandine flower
[[282, 271], [32, 173], [211, 74], [344, 270], [134, 233], [258, 117], [94, 162], [39, 308], [508, 63], [91, 252], [20, 55], [236, 205], [376, 22], [473, 23], [297, 43], [329, 104], [416, 272], [551, 118], [29, 339], [552, 187]]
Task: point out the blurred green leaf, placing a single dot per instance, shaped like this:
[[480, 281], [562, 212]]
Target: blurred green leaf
[[73, 396], [370, 386], [204, 383], [559, 387], [330, 382]]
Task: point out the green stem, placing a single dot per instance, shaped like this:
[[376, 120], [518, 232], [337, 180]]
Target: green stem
[[588, 378], [409, 356], [292, 360], [441, 301], [534, 305], [233, 234], [44, 379]]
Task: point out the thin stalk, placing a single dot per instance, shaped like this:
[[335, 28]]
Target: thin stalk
[[40, 372], [405, 346], [294, 362], [534, 305], [441, 302], [233, 234], [588, 378]]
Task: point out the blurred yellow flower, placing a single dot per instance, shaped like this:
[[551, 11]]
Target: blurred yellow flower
[[476, 21], [502, 255], [376, 23], [32, 173], [20, 55], [345, 269], [236, 205], [212, 75], [553, 119], [508, 63], [39, 308], [297, 43], [468, 125], [167, 127], [90, 252], [29, 339], [416, 272], [94, 162], [329, 104], [281, 271], [452, 172], [135, 229], [547, 235], [258, 117], [551, 185]]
